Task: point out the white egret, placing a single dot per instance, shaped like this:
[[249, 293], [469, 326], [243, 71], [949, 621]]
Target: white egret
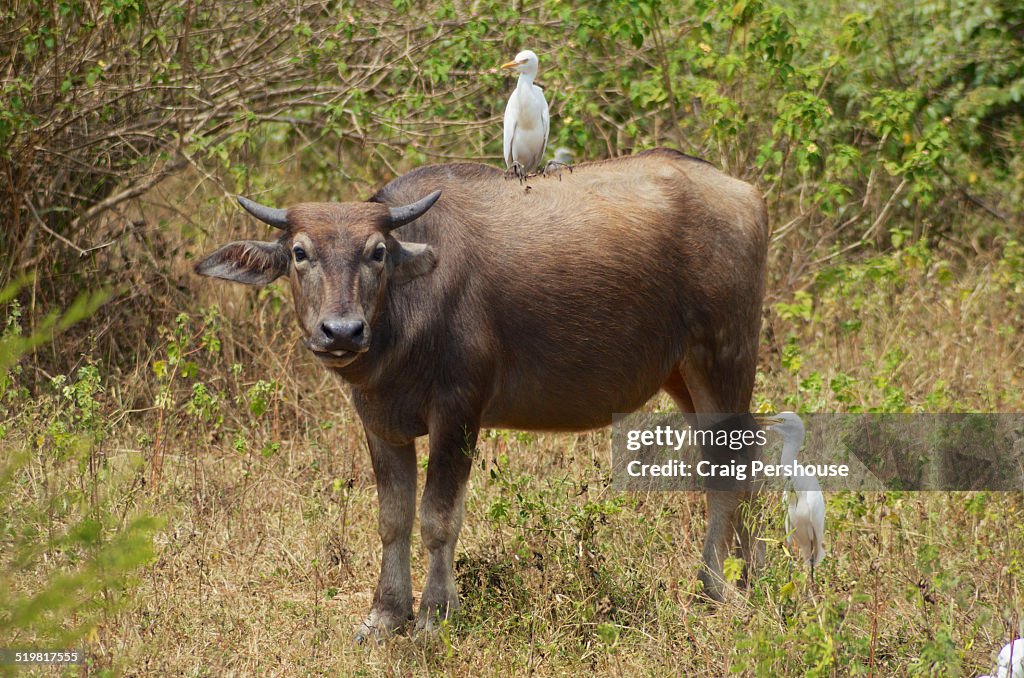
[[563, 156], [805, 519], [526, 118], [1010, 663]]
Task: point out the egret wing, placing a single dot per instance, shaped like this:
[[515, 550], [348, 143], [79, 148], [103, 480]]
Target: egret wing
[[511, 118], [545, 117], [817, 511]]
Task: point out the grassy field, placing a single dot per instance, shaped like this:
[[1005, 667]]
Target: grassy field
[[184, 492], [267, 555]]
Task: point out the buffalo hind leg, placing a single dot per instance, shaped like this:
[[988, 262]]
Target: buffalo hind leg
[[676, 387], [751, 549], [451, 459], [721, 391], [394, 468]]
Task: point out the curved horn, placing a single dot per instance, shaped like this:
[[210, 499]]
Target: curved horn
[[277, 218], [403, 215]]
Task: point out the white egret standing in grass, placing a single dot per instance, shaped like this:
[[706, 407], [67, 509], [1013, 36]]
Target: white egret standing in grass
[[805, 519], [1010, 663], [526, 118]]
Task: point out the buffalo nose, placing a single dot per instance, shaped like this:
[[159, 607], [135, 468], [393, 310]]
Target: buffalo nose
[[343, 334]]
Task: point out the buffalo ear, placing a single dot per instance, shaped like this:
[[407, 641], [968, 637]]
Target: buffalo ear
[[247, 261], [413, 259]]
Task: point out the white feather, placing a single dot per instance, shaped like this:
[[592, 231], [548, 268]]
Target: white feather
[[1010, 663], [527, 120], [805, 515]]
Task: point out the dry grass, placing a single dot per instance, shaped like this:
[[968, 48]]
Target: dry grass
[[220, 424], [267, 563], [264, 568], [269, 553]]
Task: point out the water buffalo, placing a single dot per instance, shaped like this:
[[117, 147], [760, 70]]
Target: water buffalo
[[549, 307]]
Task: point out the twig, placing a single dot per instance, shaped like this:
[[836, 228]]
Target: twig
[[127, 194], [98, 247], [783, 230], [973, 199], [851, 246], [56, 235], [885, 211]]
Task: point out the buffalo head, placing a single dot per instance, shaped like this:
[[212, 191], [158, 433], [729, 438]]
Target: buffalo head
[[339, 258]]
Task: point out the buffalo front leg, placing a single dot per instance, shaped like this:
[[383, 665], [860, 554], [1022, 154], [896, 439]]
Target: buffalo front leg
[[394, 468], [451, 458]]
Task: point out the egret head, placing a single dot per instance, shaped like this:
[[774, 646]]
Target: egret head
[[525, 63], [787, 424]]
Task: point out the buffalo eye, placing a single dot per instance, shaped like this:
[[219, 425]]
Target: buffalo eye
[[379, 252], [299, 254]]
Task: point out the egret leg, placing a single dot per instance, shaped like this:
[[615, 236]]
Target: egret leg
[[555, 167], [516, 171]]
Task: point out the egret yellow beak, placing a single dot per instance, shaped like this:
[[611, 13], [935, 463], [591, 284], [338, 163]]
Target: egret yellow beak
[[764, 420], [513, 64]]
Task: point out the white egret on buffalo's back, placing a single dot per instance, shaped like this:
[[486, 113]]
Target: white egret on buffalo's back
[[526, 118], [563, 159], [563, 156], [805, 518]]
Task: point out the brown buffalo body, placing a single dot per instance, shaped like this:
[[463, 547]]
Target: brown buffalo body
[[546, 308]]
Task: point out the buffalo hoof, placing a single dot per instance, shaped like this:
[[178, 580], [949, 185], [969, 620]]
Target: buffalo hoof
[[712, 587], [717, 594], [380, 625], [432, 614]]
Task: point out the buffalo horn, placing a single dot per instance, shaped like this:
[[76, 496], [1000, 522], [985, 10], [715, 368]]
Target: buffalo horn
[[403, 215], [277, 218]]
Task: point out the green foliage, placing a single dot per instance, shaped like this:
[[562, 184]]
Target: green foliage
[[865, 129], [67, 548], [939, 656], [194, 398], [781, 90], [552, 526], [913, 298]]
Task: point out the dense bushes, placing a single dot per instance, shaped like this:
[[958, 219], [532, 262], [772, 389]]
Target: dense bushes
[[867, 130], [847, 118]]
